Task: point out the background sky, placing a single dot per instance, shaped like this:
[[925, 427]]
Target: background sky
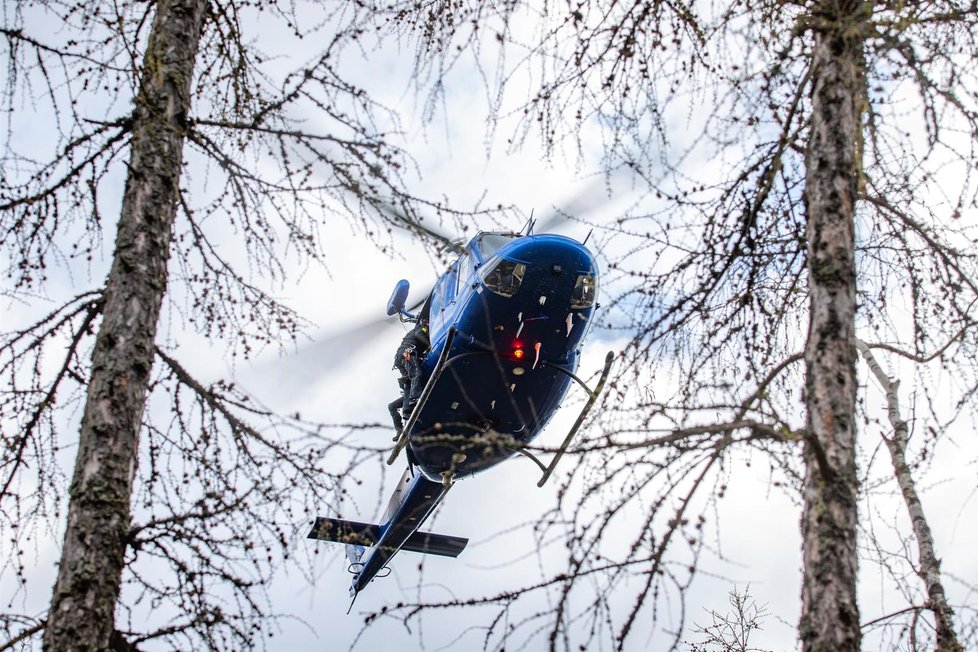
[[757, 544]]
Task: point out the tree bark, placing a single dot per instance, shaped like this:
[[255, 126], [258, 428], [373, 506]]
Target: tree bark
[[830, 614], [82, 610]]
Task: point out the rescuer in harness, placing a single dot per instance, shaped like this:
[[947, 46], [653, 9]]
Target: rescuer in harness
[[410, 354]]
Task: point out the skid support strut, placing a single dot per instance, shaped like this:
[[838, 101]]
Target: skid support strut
[[439, 367], [592, 397]]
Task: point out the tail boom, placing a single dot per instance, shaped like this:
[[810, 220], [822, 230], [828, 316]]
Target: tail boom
[[413, 501]]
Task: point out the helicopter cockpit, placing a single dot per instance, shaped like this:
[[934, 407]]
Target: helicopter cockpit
[[481, 248], [502, 276]]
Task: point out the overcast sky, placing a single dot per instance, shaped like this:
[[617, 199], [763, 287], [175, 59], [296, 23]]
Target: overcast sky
[[759, 543]]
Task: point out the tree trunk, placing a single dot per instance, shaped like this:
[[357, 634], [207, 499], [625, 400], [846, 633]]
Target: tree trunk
[[929, 565], [830, 615], [83, 605]]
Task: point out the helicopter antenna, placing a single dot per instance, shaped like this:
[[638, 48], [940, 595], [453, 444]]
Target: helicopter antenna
[[530, 223], [355, 594], [587, 236]]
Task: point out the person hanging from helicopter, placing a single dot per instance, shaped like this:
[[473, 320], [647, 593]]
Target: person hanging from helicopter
[[407, 360]]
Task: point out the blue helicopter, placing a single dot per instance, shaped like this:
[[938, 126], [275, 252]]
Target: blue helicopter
[[506, 322]]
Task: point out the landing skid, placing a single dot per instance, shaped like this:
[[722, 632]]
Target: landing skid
[[592, 397]]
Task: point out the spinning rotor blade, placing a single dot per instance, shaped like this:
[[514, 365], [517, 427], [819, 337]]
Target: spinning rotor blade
[[446, 242], [327, 350], [317, 357], [594, 194]]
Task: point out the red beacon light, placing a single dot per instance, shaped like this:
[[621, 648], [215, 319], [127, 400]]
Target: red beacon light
[[518, 352]]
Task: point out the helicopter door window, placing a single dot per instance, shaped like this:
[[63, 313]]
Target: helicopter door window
[[466, 272], [437, 299], [444, 291], [450, 282]]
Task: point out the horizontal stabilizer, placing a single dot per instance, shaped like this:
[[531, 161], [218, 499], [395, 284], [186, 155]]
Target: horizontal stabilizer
[[435, 544], [340, 531], [367, 534]]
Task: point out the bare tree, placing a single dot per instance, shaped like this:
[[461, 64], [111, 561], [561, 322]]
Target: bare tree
[[93, 555], [135, 90], [731, 632], [929, 564], [811, 167]]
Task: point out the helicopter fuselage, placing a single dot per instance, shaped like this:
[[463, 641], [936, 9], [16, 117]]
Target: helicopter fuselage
[[506, 322], [501, 383]]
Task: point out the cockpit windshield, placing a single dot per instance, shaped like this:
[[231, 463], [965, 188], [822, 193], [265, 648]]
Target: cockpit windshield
[[490, 243]]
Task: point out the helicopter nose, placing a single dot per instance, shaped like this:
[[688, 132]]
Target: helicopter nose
[[560, 275]]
